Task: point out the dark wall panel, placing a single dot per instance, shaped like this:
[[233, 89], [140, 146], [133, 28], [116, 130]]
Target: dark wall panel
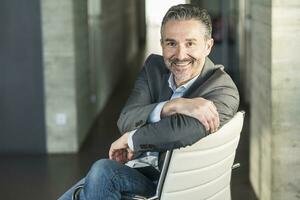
[[22, 124]]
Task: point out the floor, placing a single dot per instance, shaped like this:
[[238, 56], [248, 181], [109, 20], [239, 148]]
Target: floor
[[36, 177]]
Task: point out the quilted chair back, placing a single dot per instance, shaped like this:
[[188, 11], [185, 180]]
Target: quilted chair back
[[203, 171]]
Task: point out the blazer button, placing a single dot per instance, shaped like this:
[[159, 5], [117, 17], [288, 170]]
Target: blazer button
[[147, 146], [137, 124]]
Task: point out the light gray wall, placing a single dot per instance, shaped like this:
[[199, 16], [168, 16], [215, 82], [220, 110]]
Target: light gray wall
[[261, 101], [285, 99], [87, 46], [60, 77], [85, 106], [275, 97], [59, 63]]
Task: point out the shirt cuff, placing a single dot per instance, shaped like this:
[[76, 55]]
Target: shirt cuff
[[129, 140], [155, 114]]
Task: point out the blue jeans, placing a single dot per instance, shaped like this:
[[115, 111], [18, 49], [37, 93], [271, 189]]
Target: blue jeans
[[107, 179]]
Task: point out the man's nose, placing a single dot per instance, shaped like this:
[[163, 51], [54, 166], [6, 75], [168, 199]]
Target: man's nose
[[180, 52]]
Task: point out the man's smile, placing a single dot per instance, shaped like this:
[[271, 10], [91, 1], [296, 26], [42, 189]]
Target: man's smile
[[182, 64]]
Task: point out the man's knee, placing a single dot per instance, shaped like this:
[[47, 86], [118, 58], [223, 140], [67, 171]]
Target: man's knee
[[101, 169], [102, 164]]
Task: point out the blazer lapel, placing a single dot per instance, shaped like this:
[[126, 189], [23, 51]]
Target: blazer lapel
[[166, 92]]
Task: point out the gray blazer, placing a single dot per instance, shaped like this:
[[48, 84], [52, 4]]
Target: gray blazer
[[151, 87]]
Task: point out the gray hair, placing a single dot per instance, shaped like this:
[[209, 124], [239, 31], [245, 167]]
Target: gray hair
[[187, 12]]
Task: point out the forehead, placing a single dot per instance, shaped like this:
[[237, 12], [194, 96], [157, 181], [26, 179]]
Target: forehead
[[183, 28]]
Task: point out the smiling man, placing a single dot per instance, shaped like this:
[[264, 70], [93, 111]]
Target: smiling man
[[177, 99], [185, 46]]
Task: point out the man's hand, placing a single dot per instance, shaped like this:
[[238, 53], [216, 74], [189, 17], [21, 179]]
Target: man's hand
[[119, 150], [201, 109]]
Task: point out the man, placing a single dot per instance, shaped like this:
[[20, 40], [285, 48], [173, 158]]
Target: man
[[177, 99]]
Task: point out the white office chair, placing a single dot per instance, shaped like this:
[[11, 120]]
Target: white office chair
[[201, 171]]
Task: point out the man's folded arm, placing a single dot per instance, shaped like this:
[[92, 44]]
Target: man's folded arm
[[180, 130], [169, 133]]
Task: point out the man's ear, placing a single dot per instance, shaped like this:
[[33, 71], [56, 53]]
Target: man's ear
[[161, 42], [209, 45]]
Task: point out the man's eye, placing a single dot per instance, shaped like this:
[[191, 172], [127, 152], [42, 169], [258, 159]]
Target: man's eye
[[171, 44], [190, 44]]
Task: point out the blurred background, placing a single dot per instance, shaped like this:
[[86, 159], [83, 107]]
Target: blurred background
[[67, 67]]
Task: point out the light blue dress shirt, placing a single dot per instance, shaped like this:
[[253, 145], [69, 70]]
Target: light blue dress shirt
[[151, 158]]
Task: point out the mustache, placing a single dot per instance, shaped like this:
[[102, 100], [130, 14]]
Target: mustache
[[176, 60]]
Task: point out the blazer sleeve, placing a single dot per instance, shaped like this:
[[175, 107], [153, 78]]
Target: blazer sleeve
[[169, 133], [139, 104], [227, 105], [180, 130], [224, 94]]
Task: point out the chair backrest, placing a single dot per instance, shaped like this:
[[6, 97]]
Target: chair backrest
[[203, 170]]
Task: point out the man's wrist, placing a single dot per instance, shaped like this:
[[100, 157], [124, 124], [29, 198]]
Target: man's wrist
[[129, 139], [155, 115], [125, 138], [170, 108]]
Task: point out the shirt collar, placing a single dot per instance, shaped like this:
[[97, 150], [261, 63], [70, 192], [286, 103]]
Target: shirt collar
[[183, 87]]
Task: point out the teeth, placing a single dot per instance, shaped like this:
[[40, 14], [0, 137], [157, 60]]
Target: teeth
[[182, 64]]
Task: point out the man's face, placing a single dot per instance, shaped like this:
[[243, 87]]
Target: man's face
[[184, 48]]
